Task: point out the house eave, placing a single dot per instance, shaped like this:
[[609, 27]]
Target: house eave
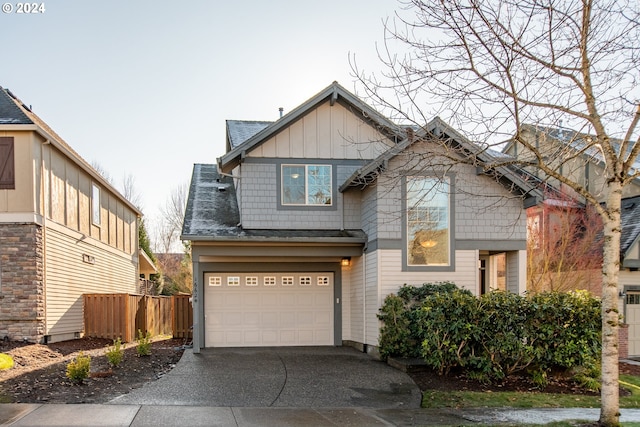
[[270, 241]]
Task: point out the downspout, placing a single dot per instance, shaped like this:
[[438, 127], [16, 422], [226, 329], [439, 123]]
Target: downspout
[[342, 216]]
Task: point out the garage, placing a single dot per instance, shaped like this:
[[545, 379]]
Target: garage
[[268, 309], [632, 318]]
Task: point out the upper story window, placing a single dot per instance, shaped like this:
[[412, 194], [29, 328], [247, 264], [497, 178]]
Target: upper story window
[[7, 165], [306, 185], [428, 221], [95, 204]]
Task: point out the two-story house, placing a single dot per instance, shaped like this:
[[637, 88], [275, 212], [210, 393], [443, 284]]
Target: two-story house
[[574, 155], [64, 231], [306, 223]]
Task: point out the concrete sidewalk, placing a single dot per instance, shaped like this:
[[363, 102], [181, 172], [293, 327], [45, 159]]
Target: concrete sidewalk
[[147, 415]]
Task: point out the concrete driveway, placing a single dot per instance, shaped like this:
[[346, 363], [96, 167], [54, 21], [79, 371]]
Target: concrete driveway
[[279, 377]]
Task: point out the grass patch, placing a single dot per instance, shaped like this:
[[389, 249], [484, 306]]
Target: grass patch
[[476, 399]]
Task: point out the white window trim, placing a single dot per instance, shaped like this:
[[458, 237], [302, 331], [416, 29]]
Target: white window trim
[[96, 204]]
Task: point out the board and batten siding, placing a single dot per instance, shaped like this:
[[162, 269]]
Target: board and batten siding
[[66, 199], [326, 132], [68, 276]]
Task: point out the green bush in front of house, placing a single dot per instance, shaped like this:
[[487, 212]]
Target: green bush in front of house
[[495, 335], [447, 322], [402, 332]]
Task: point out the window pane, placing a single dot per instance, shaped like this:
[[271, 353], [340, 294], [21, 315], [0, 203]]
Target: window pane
[[319, 185], [427, 221], [306, 185], [293, 179], [95, 204]]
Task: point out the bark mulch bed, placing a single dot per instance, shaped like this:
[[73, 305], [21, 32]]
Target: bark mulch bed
[[39, 372]]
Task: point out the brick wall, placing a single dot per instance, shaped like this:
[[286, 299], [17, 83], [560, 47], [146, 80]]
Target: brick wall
[[623, 341], [22, 299]]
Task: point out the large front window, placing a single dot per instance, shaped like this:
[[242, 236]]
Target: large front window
[[428, 221], [306, 185]]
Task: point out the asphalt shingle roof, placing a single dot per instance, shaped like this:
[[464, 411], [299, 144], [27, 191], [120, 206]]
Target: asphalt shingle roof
[[212, 213], [241, 130], [10, 112]]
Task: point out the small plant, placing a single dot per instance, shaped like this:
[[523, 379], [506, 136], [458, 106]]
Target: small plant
[[115, 353], [588, 376], [539, 378], [6, 361], [78, 369], [144, 344]]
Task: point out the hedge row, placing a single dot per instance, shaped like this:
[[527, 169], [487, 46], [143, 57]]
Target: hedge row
[[492, 336]]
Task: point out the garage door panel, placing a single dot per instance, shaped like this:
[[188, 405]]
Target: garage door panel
[[288, 338], [252, 319], [230, 320], [306, 337], [288, 299], [291, 309], [270, 320], [323, 319], [270, 299], [305, 319]]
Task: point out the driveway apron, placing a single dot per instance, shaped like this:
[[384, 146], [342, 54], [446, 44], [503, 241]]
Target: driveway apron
[[279, 377]]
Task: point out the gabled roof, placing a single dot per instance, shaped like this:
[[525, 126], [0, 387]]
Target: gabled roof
[[332, 93], [14, 114], [480, 156], [238, 131], [212, 215]]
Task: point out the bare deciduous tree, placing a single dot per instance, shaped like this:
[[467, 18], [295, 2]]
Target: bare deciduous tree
[[168, 229], [130, 192], [491, 67], [563, 251]]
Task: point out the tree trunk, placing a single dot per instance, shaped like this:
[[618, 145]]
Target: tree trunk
[[610, 410]]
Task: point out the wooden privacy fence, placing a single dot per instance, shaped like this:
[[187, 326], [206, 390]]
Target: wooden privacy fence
[[182, 316], [122, 315]]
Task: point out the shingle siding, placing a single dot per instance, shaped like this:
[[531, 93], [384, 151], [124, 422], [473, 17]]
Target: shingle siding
[[259, 202]]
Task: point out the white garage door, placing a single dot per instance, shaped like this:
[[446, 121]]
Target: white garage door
[[632, 318], [268, 309]]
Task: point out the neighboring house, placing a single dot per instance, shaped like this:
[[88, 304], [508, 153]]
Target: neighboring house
[[307, 223], [585, 166], [64, 231], [573, 156]]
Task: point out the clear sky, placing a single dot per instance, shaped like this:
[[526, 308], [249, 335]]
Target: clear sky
[[144, 87]]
